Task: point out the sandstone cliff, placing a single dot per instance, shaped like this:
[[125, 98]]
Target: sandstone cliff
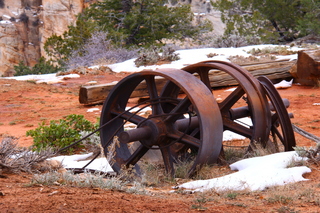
[[25, 25]]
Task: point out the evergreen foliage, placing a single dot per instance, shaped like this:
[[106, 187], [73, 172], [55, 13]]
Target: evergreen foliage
[[42, 67], [60, 133], [270, 20], [127, 23], [59, 48]]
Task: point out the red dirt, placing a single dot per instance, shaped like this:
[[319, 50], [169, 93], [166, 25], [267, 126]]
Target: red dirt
[[23, 105]]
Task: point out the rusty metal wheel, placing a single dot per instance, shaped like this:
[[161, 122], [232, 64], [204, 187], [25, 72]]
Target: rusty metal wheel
[[282, 135], [167, 126], [247, 100]]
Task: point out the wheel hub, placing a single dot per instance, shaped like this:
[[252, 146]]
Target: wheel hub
[[158, 131]]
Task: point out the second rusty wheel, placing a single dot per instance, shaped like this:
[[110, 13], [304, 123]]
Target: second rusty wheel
[[170, 123], [249, 92]]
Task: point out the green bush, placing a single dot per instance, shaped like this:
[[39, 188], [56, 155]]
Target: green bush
[[42, 67], [60, 133]]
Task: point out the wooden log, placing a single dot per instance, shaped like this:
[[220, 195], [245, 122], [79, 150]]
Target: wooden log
[[273, 70], [96, 94], [308, 67]]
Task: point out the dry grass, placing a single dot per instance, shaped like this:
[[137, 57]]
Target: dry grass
[[14, 159]]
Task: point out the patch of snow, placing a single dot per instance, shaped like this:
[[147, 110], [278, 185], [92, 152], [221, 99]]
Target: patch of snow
[[283, 84], [44, 78], [231, 89], [290, 57], [93, 110], [254, 174], [6, 16], [5, 22], [79, 161]]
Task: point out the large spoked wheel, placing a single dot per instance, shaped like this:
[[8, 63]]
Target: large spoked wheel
[[246, 101], [169, 124], [282, 135]]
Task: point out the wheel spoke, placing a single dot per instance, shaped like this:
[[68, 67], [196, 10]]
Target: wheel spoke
[[229, 101], [204, 77], [153, 93], [276, 131], [178, 110], [136, 155], [129, 116], [167, 160], [184, 138], [237, 128]]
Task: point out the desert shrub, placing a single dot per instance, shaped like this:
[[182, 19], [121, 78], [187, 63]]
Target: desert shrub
[[98, 48], [281, 50], [88, 180], [233, 41], [155, 55], [14, 159], [42, 67], [60, 133]]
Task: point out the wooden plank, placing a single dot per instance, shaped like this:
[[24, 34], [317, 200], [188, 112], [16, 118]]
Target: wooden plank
[[96, 94]]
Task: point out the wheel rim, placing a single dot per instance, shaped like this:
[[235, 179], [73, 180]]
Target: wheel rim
[[162, 129], [281, 128]]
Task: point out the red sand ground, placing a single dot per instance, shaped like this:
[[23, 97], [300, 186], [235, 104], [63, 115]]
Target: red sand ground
[[23, 105]]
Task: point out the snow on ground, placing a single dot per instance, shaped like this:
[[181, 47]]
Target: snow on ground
[[283, 84], [79, 161], [191, 56], [44, 78], [253, 174], [187, 57]]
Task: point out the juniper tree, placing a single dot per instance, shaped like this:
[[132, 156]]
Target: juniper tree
[[128, 23], [270, 20]]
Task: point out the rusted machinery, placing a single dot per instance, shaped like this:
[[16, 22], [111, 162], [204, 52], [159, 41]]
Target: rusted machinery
[[186, 121]]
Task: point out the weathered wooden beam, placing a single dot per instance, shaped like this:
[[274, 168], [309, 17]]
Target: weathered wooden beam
[[308, 67], [96, 94]]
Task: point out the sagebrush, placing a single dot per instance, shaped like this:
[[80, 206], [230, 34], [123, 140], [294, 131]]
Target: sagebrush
[[14, 159]]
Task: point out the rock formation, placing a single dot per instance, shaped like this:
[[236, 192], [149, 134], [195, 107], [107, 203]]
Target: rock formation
[[25, 25]]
